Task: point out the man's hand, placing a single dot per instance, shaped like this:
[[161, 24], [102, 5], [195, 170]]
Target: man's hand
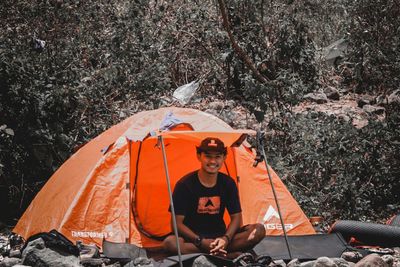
[[218, 247]]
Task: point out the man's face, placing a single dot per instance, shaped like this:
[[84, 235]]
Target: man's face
[[211, 162]]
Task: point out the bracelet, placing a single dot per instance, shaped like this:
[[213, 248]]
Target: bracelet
[[227, 237]]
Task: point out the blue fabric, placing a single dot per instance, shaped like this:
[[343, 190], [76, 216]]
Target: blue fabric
[[169, 121]]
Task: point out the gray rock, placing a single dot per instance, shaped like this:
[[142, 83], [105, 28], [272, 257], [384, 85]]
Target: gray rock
[[278, 263], [15, 253], [332, 93], [202, 261], [140, 261], [372, 260], [341, 262], [307, 264], [335, 51], [324, 262], [365, 100], [394, 97], [294, 263], [8, 262], [374, 109], [36, 254], [389, 259], [216, 105], [344, 117], [352, 256], [20, 265], [319, 98]]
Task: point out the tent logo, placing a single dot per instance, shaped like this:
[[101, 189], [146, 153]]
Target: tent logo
[[91, 234], [272, 213]]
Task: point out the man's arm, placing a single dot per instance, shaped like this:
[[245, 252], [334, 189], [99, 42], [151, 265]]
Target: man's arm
[[221, 243], [234, 225], [183, 230]]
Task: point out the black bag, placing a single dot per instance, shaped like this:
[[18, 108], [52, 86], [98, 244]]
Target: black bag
[[55, 241]]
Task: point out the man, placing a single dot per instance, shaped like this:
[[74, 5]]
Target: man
[[200, 199]]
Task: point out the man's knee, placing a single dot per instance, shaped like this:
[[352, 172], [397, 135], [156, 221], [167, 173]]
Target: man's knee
[[169, 243], [256, 232]]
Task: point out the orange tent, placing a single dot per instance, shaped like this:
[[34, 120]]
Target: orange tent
[[115, 186]]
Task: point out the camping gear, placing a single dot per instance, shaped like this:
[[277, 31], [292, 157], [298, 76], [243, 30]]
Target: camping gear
[[302, 247], [56, 241], [369, 234], [114, 187]]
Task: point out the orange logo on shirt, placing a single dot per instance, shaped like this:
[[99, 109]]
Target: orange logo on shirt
[[209, 205]]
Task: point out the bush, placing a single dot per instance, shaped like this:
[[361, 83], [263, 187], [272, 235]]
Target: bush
[[374, 56], [336, 170]]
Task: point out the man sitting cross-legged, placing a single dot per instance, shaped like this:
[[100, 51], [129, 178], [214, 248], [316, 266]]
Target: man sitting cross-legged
[[200, 199]]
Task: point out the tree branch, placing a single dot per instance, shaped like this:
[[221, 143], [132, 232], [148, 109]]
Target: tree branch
[[239, 51]]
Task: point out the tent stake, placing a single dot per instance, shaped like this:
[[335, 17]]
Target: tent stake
[[260, 138], [160, 138]]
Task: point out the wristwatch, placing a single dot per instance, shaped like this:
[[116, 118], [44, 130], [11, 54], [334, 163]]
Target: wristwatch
[[197, 241]]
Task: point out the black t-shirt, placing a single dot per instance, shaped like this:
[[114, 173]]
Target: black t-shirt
[[203, 207]]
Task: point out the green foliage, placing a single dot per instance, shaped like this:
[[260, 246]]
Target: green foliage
[[374, 57], [279, 42], [336, 170]]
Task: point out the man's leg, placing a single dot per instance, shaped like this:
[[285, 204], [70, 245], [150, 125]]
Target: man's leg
[[248, 236], [169, 244]]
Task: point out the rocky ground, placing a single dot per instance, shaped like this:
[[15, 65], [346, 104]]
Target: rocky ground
[[43, 254]]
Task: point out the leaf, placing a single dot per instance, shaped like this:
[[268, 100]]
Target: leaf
[[9, 131]]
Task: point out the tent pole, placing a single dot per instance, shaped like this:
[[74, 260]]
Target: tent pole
[[128, 185], [261, 149], [160, 138]]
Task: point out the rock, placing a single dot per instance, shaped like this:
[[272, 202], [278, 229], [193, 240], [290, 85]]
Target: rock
[[352, 256], [294, 263], [341, 262], [394, 97], [374, 109], [140, 261], [319, 98], [389, 259], [324, 262], [344, 118], [36, 254], [216, 105], [278, 263], [92, 262], [8, 262], [202, 261], [332, 93], [307, 264], [365, 100], [372, 260], [16, 253]]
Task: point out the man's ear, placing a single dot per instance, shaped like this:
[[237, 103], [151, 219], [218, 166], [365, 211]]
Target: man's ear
[[198, 156]]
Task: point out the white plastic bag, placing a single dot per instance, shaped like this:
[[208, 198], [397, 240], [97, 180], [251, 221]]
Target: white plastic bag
[[185, 92]]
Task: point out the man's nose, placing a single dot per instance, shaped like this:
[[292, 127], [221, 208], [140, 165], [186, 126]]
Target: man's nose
[[212, 159]]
